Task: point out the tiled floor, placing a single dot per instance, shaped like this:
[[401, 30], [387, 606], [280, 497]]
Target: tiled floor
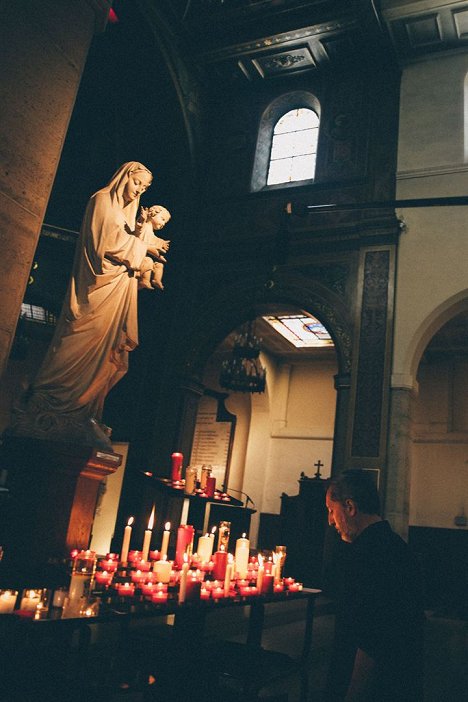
[[446, 676]]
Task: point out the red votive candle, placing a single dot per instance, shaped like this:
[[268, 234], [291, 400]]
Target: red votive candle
[[176, 472], [159, 597], [126, 590], [103, 577], [155, 555], [108, 565], [205, 594]]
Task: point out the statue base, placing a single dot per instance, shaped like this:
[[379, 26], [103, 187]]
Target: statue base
[[52, 489]]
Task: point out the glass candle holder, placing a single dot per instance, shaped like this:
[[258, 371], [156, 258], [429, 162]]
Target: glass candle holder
[[30, 599], [8, 600]]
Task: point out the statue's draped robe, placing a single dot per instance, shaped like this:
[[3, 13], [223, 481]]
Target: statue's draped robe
[[98, 324]]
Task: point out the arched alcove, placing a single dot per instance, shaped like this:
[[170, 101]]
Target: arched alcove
[[291, 426]]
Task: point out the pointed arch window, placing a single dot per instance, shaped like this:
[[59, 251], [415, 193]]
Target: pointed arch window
[[287, 142], [294, 147]]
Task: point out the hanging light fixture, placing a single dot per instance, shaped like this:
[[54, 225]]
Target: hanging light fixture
[[243, 371]]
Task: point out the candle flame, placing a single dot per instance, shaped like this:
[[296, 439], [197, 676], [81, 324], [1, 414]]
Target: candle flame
[[213, 530], [167, 526], [230, 558], [130, 521], [151, 520], [244, 535], [260, 560]]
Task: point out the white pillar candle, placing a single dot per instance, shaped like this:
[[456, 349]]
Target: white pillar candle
[[162, 570], [165, 539], [126, 540], [205, 547], [242, 556], [7, 600]]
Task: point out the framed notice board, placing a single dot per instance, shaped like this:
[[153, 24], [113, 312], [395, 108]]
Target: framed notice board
[[214, 436]]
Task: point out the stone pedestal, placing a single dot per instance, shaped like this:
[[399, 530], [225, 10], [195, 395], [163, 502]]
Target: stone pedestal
[[49, 507]]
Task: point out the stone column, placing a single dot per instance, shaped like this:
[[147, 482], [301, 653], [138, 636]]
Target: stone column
[[342, 387], [396, 507], [44, 46]]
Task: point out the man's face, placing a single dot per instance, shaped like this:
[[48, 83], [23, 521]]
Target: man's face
[[342, 517]]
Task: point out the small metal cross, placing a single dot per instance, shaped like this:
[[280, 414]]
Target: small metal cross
[[318, 465]]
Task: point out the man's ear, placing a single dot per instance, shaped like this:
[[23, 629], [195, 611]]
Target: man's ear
[[351, 507]]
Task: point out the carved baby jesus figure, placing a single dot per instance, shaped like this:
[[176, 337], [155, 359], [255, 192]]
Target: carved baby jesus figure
[[151, 271]]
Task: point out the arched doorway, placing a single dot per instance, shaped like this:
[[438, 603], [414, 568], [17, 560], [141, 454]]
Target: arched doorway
[[439, 456], [285, 430]]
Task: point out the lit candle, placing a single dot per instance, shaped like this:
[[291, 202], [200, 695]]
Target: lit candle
[[126, 540], [193, 587], [134, 556], [165, 539], [295, 587], [205, 547], [159, 597], [205, 594], [30, 600], [148, 589], [176, 473], [227, 576], [185, 534], [144, 566], [217, 593], [278, 587], [183, 581], [137, 576], [260, 573], [220, 563], [242, 556], [147, 537], [162, 570], [154, 555], [108, 565], [7, 600], [126, 590], [103, 577]]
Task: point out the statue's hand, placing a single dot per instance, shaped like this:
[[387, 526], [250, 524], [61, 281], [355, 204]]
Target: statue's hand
[[162, 244]]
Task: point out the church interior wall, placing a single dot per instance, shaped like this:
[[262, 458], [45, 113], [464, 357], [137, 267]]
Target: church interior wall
[[431, 163], [439, 482], [282, 432]]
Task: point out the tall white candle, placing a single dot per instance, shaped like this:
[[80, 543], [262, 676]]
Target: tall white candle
[[261, 571], [242, 556], [165, 539], [183, 582], [126, 540], [147, 537]]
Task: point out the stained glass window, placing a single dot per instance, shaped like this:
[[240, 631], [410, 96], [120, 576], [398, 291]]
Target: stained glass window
[[301, 330]]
